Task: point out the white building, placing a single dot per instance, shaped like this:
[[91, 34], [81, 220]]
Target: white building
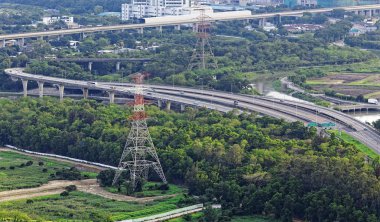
[[53, 19], [309, 3], [157, 8]]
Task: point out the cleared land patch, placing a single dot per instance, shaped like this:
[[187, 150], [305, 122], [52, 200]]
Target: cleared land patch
[[353, 84]]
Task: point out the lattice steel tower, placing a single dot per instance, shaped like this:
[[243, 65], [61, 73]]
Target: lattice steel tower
[[139, 154], [203, 57]]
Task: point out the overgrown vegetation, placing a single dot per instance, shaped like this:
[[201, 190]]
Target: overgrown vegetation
[[249, 164], [80, 206]]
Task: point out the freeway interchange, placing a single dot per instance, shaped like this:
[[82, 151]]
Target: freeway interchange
[[225, 102]]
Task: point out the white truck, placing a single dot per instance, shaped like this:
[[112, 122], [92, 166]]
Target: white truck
[[373, 101]]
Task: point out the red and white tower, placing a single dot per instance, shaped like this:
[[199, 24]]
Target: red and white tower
[[139, 154]]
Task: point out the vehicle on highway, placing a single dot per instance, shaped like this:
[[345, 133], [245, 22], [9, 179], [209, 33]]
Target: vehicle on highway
[[236, 103], [373, 101], [92, 83]]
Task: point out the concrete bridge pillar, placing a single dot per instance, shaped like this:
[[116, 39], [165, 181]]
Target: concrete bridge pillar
[[83, 35], [183, 107], [112, 96], [140, 31], [85, 93], [159, 103], [195, 27], [2, 43], [262, 22], [117, 66], [168, 105], [90, 66], [61, 89], [25, 87], [40, 89], [159, 28], [178, 27], [279, 19], [40, 38], [21, 42]]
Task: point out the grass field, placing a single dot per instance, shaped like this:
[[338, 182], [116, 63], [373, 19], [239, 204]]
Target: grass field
[[13, 176], [372, 95], [360, 146], [80, 206], [373, 80], [27, 176]]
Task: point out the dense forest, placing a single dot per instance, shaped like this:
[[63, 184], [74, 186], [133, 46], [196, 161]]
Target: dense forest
[[249, 164], [368, 40]]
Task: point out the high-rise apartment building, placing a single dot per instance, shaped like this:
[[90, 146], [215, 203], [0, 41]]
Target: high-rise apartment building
[[156, 8]]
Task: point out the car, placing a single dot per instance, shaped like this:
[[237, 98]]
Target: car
[[365, 129], [236, 103], [92, 83]]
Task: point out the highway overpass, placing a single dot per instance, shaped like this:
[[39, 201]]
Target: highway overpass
[[221, 101], [90, 61], [364, 9]]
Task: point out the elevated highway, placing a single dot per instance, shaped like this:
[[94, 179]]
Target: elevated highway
[[221, 101], [365, 9], [90, 61], [358, 107], [102, 59]]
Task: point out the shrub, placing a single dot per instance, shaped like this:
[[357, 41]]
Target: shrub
[[64, 194], [11, 167], [105, 177], [40, 163], [29, 201], [44, 170], [68, 174], [29, 163], [2, 168], [22, 165], [163, 186], [71, 188]]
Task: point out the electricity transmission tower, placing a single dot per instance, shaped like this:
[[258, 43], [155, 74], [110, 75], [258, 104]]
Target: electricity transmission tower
[[139, 154], [203, 57]]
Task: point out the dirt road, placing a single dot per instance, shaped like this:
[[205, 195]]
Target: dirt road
[[58, 186], [53, 187]]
